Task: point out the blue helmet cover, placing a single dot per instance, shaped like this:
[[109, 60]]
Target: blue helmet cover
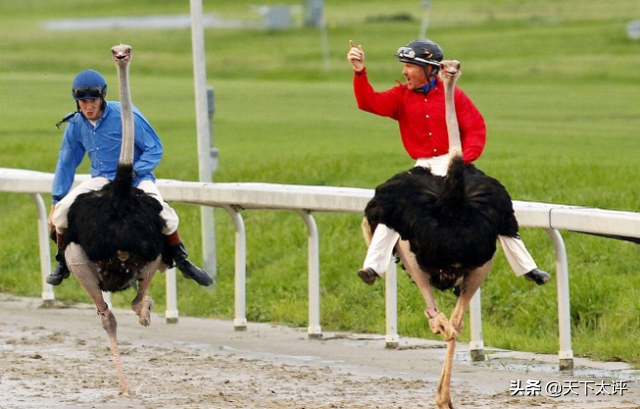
[[88, 84]]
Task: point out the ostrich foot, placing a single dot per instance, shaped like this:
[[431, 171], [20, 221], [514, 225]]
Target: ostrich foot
[[127, 393], [440, 324], [143, 310], [444, 402], [443, 394]]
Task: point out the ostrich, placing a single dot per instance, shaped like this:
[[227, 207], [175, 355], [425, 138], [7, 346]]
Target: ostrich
[[114, 240], [448, 228]]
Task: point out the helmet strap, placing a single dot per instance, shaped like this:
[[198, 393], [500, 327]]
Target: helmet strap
[[65, 119], [434, 71], [426, 72]]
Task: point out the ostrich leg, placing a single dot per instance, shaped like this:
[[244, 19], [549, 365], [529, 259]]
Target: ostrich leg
[[110, 326], [469, 287], [366, 231], [85, 273], [439, 324], [443, 394], [143, 304]]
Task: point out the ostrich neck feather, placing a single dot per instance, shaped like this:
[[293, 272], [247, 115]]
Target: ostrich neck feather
[[455, 145], [126, 153]]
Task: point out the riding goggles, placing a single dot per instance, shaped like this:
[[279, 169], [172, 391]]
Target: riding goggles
[[87, 92], [408, 53]]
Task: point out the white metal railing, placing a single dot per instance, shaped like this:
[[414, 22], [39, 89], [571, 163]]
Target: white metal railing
[[234, 197]]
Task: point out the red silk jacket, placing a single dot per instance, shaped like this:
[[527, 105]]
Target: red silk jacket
[[421, 118]]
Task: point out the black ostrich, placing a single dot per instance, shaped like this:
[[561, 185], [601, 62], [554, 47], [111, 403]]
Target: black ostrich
[[448, 225], [114, 239]]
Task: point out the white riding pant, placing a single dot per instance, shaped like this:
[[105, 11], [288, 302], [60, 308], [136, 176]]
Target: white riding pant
[[61, 211], [384, 238]]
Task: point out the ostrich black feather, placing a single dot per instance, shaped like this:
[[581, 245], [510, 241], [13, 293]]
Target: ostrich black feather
[[119, 227], [451, 222]]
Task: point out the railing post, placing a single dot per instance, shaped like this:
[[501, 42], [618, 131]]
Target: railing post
[[476, 345], [391, 305], [171, 313], [564, 309], [48, 297], [240, 280], [314, 330]]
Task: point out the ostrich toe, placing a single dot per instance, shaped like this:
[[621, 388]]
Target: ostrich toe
[[444, 402], [440, 325], [143, 310]]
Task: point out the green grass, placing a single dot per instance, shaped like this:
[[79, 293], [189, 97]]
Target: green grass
[[555, 81]]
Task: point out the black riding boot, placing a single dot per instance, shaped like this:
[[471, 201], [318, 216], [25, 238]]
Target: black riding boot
[[176, 253], [61, 271], [538, 276]]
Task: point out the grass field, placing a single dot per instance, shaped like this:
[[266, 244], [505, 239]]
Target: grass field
[[556, 81]]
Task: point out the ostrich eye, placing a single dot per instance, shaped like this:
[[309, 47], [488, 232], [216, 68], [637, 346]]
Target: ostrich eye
[[458, 65]]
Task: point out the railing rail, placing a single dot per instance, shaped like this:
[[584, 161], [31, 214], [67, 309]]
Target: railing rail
[[234, 197]]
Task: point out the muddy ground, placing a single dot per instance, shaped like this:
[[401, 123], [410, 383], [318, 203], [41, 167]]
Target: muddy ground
[[60, 358]]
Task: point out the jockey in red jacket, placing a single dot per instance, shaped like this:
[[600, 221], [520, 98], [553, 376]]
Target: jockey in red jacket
[[418, 106]]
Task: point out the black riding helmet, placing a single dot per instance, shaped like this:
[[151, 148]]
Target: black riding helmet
[[422, 53]]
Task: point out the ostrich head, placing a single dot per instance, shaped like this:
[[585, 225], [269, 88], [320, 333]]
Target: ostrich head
[[449, 71], [121, 54]]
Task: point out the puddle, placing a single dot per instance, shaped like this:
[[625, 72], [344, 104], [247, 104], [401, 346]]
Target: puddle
[[548, 368]]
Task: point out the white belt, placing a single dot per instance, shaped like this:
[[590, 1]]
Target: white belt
[[437, 164]]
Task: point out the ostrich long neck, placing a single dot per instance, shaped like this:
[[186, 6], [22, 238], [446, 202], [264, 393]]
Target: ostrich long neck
[[126, 153], [455, 146]]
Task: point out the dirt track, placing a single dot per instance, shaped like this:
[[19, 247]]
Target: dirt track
[[59, 358]]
